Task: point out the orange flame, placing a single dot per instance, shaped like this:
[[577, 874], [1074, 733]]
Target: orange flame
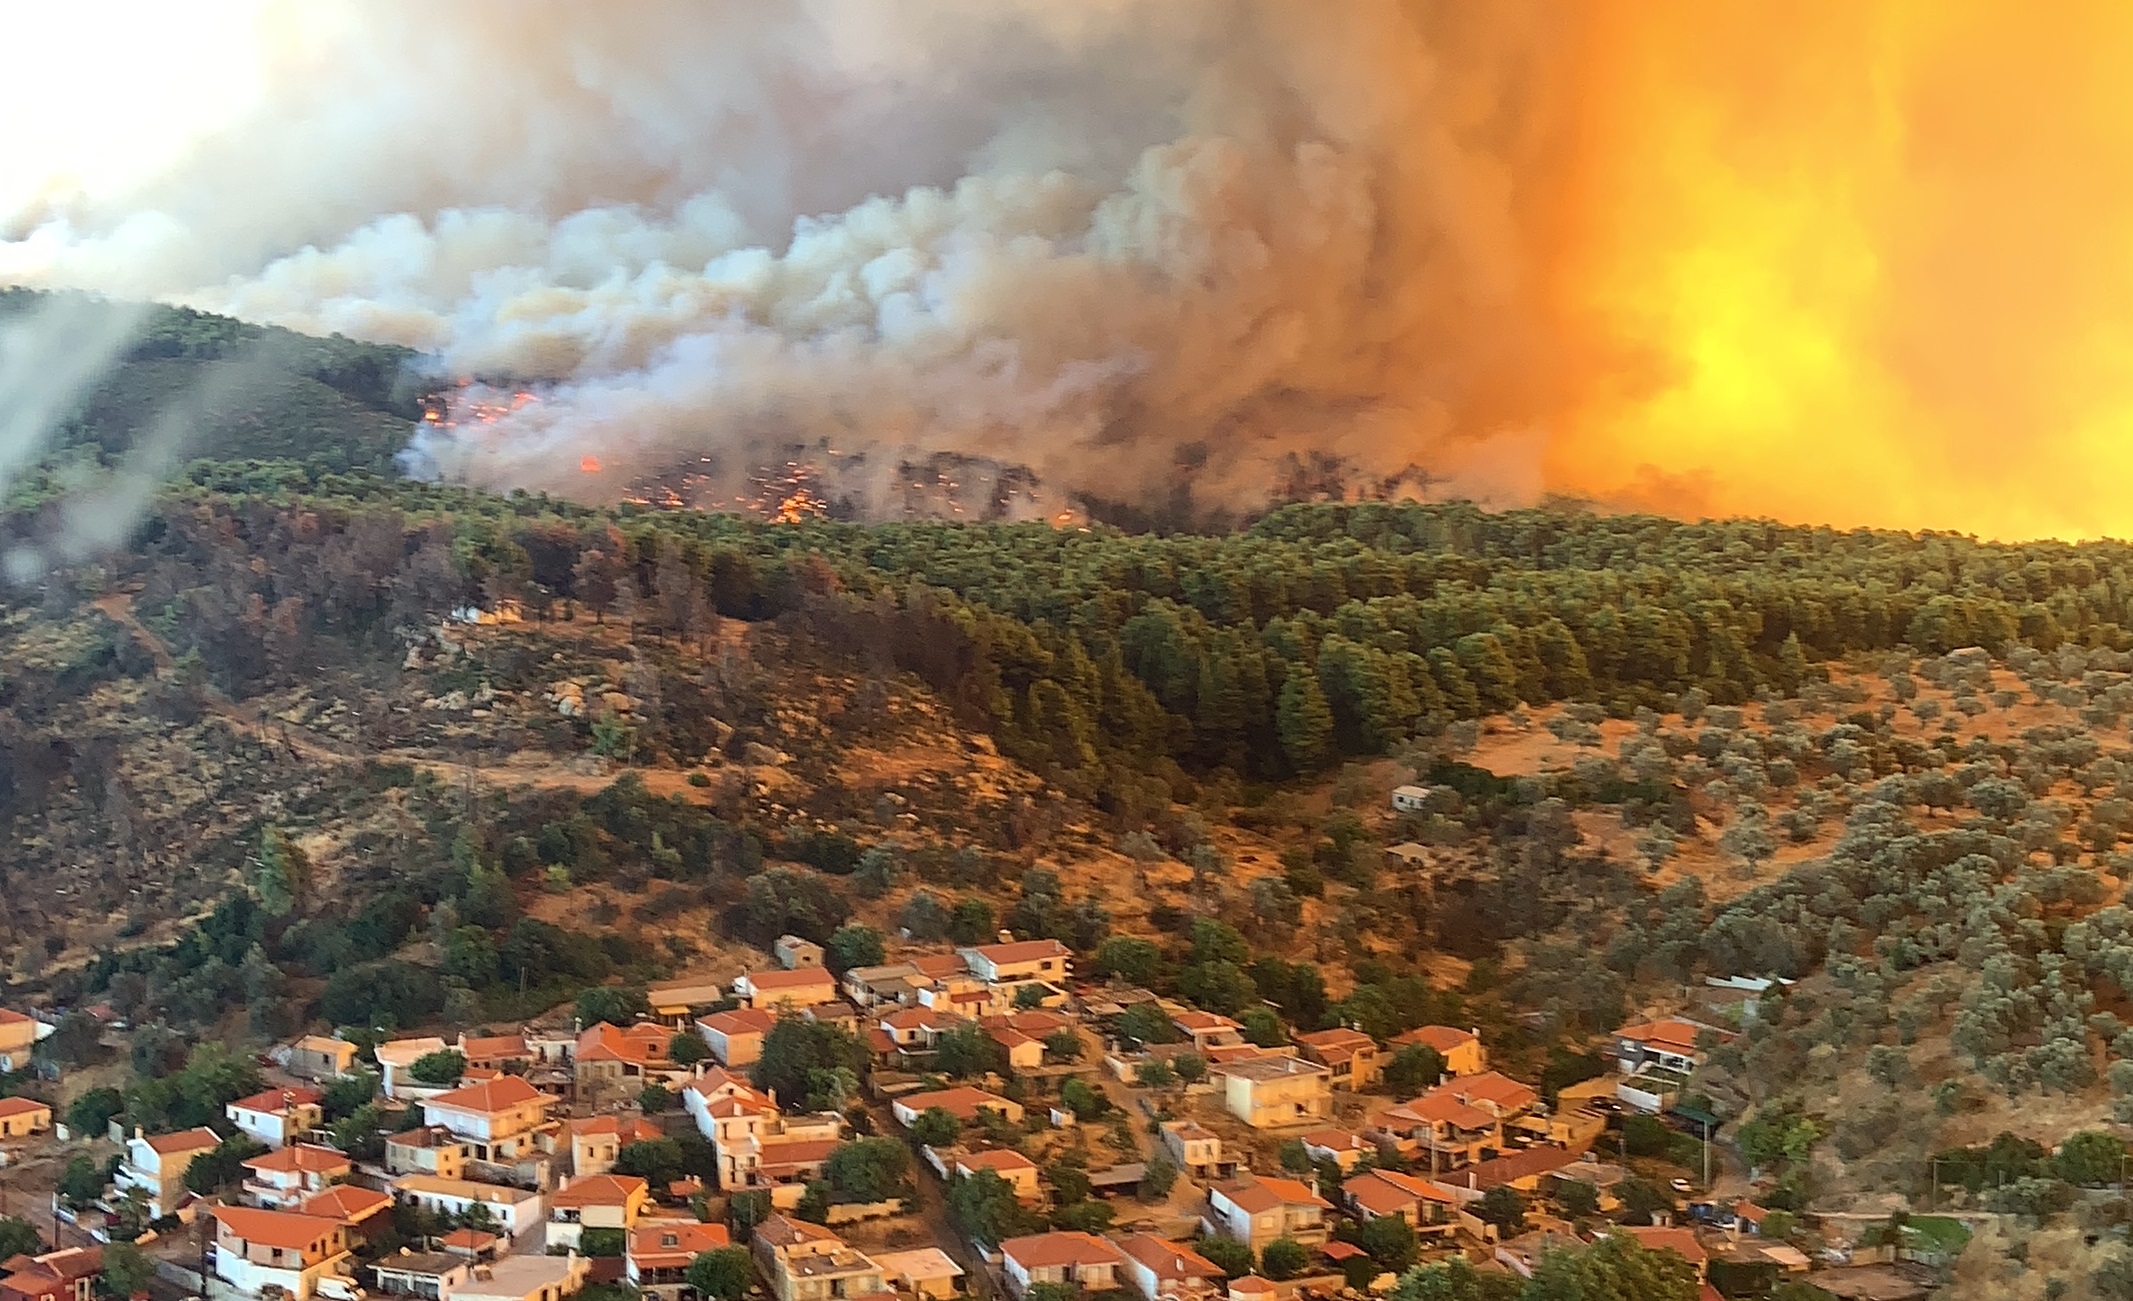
[[589, 465]]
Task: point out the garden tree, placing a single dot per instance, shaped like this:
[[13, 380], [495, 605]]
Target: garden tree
[[1283, 1258], [687, 1048], [853, 945], [1189, 1067], [1641, 1199], [127, 1271], [1413, 1068], [1646, 1136], [1230, 1256], [966, 1051], [1147, 1023], [1389, 1240], [2091, 1159], [923, 918], [1044, 1290], [1777, 1226], [1220, 986], [658, 1161], [1069, 1179], [869, 1170], [1616, 1268], [215, 1170], [1263, 1027], [745, 1210], [935, 1127], [1578, 1199], [615, 1004], [1504, 1208], [347, 1094], [984, 1209], [445, 1066], [1154, 1073], [1157, 1178], [654, 1099], [796, 1050], [18, 1237], [722, 1272], [1083, 1099], [1083, 1217], [1129, 958], [1456, 1280], [602, 1242], [93, 1112], [1063, 1047]]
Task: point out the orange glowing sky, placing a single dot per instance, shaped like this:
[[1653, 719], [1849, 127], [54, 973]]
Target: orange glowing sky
[[1857, 264]]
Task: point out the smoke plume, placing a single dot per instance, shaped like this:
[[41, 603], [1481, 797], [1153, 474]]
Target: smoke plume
[[1853, 264]]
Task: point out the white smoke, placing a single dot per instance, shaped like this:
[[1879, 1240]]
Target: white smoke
[[1117, 242]]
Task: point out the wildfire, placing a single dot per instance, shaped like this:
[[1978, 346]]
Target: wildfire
[[588, 465]]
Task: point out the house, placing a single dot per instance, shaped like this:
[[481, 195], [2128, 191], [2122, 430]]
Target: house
[[1079, 1260], [1461, 1049], [1342, 1148], [754, 1142], [1258, 1210], [428, 1275], [611, 1061], [523, 1278], [1019, 962], [962, 1102], [596, 1141], [282, 1179], [1406, 854], [1274, 1092], [278, 1117], [793, 953], [1350, 1055], [1206, 1030], [595, 1202], [1158, 1268], [1251, 1287], [1603, 1177], [472, 1243], [22, 1117], [18, 1039], [1656, 1059], [915, 1029], [1523, 1170], [321, 1057], [516, 1210], [772, 990], [300, 1254], [1021, 1036], [787, 1165], [1523, 1254], [675, 1001], [156, 1165], [1410, 799], [499, 1120], [1195, 1149], [395, 1056], [805, 1262], [1499, 1095], [1018, 1170], [736, 1037], [1682, 1242], [66, 1275], [495, 1052], [657, 1253], [426, 1150], [928, 1273], [363, 1212], [1376, 1194]]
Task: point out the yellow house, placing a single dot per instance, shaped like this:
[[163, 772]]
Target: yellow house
[[1461, 1049], [22, 1117]]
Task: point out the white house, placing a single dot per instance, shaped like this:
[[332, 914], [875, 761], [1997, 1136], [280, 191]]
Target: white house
[[283, 1178], [1018, 961], [523, 1278], [497, 1119], [1410, 799], [395, 1056], [303, 1255], [1257, 1211], [517, 1210], [1158, 1268], [278, 1117], [595, 1202]]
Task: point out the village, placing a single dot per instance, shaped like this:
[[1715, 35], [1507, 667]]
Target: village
[[1013, 1130]]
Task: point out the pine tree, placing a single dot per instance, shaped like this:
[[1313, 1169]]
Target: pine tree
[[1303, 721]]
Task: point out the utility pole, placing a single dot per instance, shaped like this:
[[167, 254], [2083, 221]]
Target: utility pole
[[1707, 1156]]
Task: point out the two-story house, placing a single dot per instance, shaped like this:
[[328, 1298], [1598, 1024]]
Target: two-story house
[[496, 1052], [806, 1262], [596, 1141], [1375, 1194], [614, 1062], [1276, 1092], [1350, 1056], [1195, 1149], [503, 1122], [962, 1102], [303, 1255], [607, 1201], [516, 1211], [66, 1275], [693, 994], [1207, 1030], [736, 1037], [1157, 1268], [756, 1144], [1656, 1059], [1077, 1260], [278, 1117], [1007, 967], [426, 1150], [1461, 1049], [1439, 1130], [395, 1056], [18, 1039], [1257, 1210], [156, 1164], [658, 1254], [321, 1057], [283, 1178]]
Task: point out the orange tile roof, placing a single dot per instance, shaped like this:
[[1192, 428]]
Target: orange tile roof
[[301, 1157], [1681, 1242], [1435, 1108], [22, 1107], [995, 1159], [600, 1190], [741, 1020], [285, 1229], [667, 1243], [1334, 1140], [499, 1094], [1060, 1250], [1388, 1192], [602, 1042], [199, 1139], [800, 978], [1191, 1021], [276, 1101], [1263, 1194], [1671, 1033], [10, 1017], [1491, 1087], [798, 1151], [1022, 951], [1443, 1038], [346, 1203], [1168, 1260], [963, 1102], [468, 1240], [493, 1046]]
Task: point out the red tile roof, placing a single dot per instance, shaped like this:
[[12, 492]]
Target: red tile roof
[[499, 1094], [1682, 1242], [301, 1157], [1060, 1250], [1443, 1038], [1168, 1260], [275, 1102], [22, 1107], [1001, 955], [664, 1244], [1388, 1192], [186, 1140], [800, 978], [599, 1190], [346, 1203], [1259, 1195], [285, 1229]]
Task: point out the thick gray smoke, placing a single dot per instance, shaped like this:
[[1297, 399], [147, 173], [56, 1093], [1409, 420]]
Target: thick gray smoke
[[1123, 243]]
